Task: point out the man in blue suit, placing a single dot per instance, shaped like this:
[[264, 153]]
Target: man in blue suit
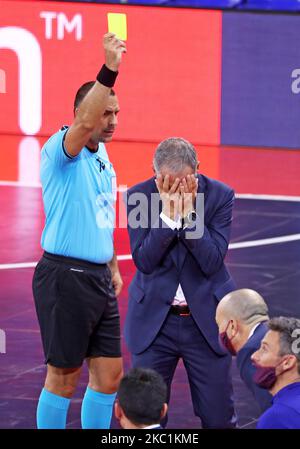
[[178, 247], [242, 318]]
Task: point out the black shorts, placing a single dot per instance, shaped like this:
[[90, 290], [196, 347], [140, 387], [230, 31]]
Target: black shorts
[[77, 310]]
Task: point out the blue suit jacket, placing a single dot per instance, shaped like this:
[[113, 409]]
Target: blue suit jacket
[[247, 369], [164, 258]]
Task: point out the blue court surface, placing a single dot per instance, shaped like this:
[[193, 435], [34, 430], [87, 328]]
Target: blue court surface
[[264, 255]]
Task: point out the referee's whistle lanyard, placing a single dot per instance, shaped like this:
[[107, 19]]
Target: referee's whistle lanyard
[[107, 165]]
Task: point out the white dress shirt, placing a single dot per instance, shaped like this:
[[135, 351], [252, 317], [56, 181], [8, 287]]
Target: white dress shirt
[[153, 426], [179, 299]]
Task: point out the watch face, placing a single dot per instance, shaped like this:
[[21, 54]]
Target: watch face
[[192, 216], [190, 220]]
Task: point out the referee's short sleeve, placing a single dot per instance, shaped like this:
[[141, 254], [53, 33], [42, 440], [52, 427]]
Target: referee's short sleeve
[[55, 151]]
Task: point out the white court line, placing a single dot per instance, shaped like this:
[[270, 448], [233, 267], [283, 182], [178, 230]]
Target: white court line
[[246, 196], [249, 244], [248, 423], [262, 242], [252, 196], [19, 184], [9, 266], [123, 257]]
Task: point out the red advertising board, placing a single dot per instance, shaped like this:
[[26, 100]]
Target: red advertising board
[[169, 82]]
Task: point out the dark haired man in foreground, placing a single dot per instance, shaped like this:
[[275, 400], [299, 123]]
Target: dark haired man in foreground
[[141, 402]]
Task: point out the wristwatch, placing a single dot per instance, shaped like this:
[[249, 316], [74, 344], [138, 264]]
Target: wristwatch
[[190, 219]]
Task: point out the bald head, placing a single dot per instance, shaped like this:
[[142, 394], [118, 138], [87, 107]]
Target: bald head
[[245, 305]]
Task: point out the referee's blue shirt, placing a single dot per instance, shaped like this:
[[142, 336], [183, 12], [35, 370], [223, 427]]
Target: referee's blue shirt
[[79, 197], [285, 411]]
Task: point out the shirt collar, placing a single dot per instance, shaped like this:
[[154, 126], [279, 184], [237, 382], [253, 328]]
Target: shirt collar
[[153, 426], [253, 330]]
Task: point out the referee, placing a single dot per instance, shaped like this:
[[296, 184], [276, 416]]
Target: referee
[[76, 282]]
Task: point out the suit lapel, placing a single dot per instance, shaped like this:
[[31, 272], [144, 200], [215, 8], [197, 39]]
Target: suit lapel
[[173, 251], [179, 251], [181, 246]]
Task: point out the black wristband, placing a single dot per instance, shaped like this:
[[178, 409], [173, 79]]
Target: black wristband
[[106, 76]]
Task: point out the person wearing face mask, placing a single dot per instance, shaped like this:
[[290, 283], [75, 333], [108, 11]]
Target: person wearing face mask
[[241, 317], [277, 364]]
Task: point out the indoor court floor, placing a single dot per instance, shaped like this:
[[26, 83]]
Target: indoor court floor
[[264, 255]]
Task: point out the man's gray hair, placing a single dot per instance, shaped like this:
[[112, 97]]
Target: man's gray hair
[[245, 305], [289, 333], [175, 153]]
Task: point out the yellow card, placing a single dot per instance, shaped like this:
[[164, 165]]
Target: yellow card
[[117, 24]]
